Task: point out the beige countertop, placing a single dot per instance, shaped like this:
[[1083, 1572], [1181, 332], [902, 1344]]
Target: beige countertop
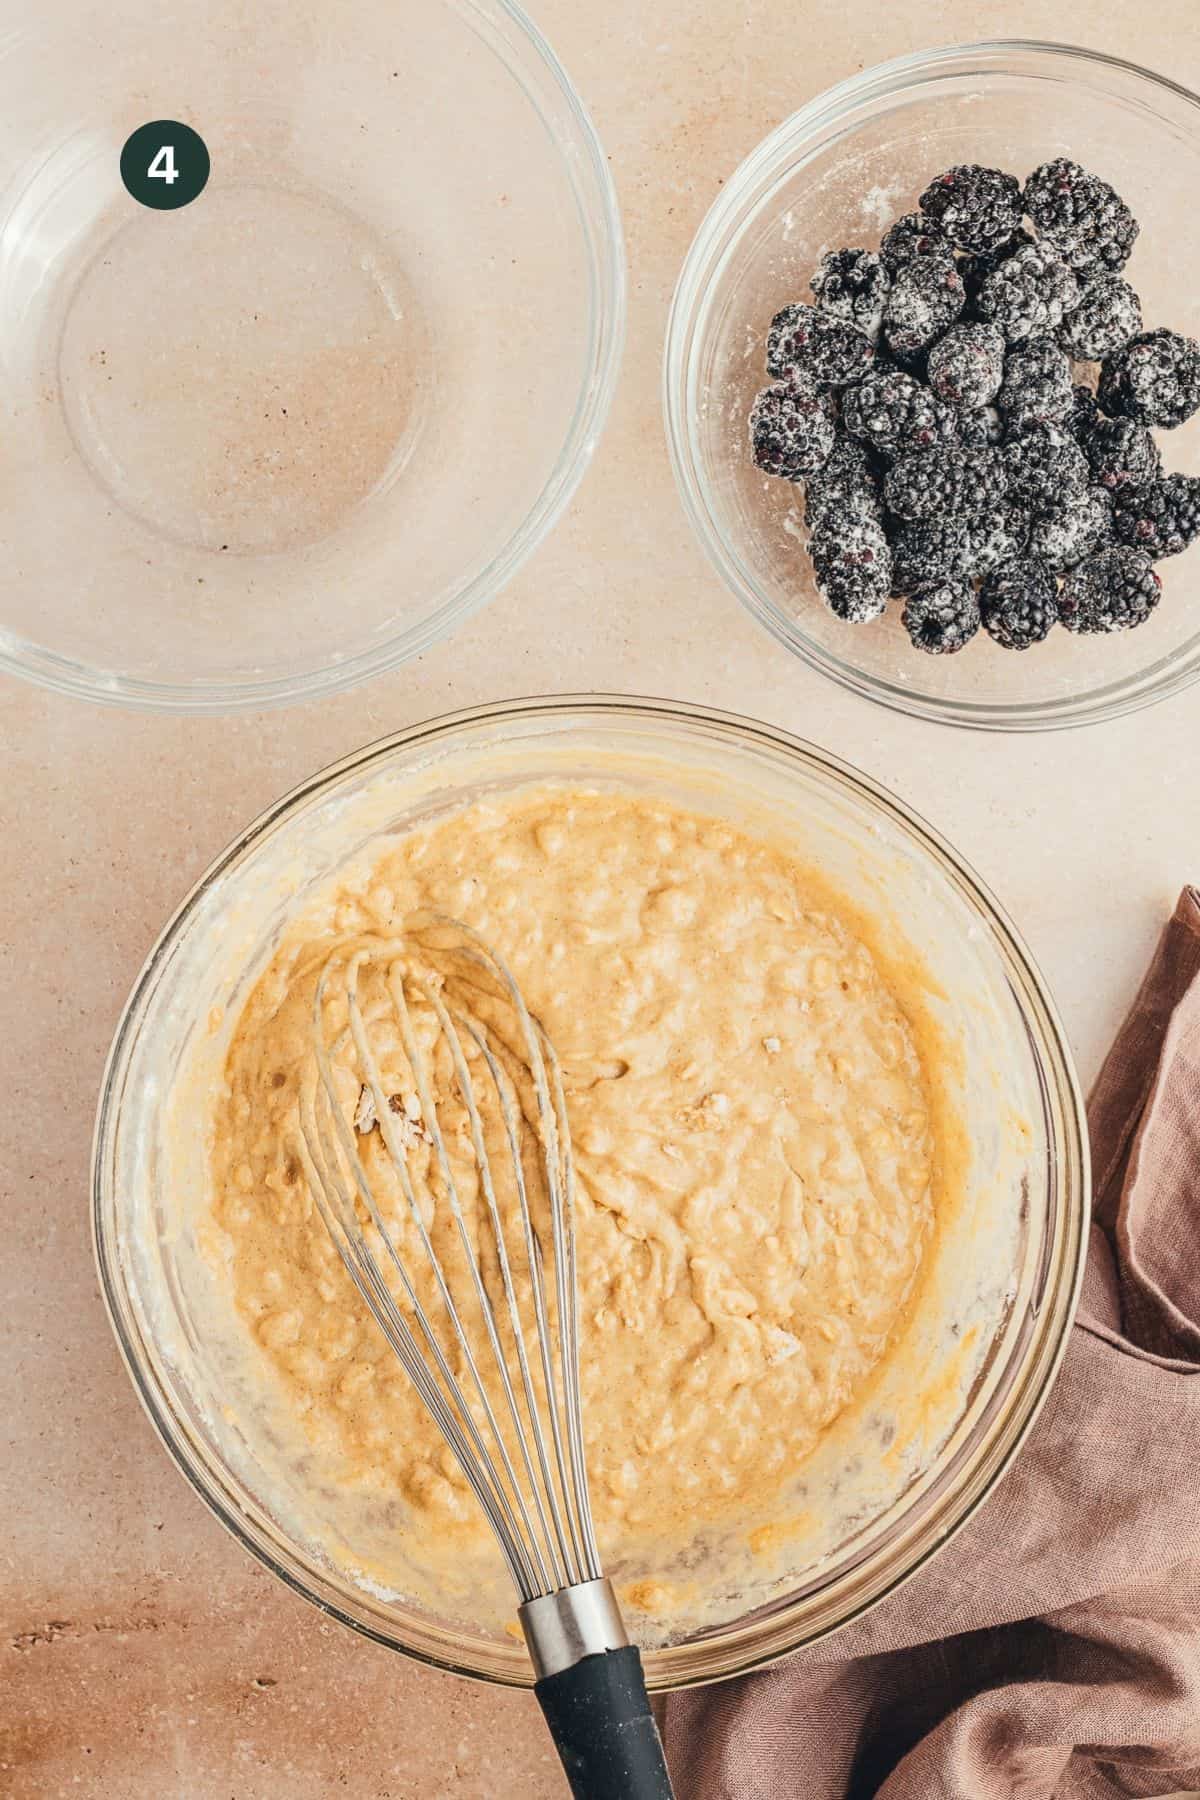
[[142, 1655]]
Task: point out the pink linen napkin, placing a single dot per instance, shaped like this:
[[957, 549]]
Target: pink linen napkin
[[1053, 1648]]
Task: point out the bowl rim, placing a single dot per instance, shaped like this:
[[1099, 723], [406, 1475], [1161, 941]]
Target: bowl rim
[[743, 1646], [700, 269], [516, 41]]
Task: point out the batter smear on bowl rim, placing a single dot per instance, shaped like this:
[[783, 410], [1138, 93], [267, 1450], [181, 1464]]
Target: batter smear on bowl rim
[[754, 1148]]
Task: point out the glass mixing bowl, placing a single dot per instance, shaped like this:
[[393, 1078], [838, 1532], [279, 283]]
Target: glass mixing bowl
[[837, 173], [280, 439], [1015, 1233]]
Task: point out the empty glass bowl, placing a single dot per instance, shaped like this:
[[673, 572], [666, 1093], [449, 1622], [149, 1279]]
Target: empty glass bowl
[[279, 439], [837, 173]]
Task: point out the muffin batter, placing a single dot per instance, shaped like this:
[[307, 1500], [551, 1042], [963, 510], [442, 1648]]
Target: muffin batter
[[753, 1147]]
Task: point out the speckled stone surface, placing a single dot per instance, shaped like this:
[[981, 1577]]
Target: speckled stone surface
[[142, 1655]]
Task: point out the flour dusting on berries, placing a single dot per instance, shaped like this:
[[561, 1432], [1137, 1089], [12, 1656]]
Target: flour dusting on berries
[[955, 452]]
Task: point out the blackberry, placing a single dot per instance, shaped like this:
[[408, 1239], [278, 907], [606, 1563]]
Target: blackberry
[[1064, 536], [1017, 603], [925, 300], [912, 239], [942, 618], [890, 410], [966, 366], [936, 550], [813, 343], [791, 429], [1163, 519], [1107, 316], [995, 537], [852, 563], [1037, 383], [929, 484], [1083, 218], [976, 269], [853, 285], [1155, 379], [978, 209], [1085, 410], [925, 399], [1112, 591], [846, 486], [1045, 464], [1028, 294], [1122, 455], [979, 427]]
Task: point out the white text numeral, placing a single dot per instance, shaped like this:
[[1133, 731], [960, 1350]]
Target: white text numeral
[[163, 167]]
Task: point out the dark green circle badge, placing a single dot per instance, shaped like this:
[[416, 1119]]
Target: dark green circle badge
[[164, 164]]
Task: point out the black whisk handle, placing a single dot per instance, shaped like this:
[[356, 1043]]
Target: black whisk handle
[[599, 1716]]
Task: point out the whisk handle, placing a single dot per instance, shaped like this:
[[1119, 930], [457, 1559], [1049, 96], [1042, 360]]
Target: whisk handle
[[599, 1716]]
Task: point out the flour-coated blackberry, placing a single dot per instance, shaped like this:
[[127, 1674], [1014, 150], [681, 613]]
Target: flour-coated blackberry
[[846, 484], [1122, 454], [976, 269], [935, 550], [953, 449], [996, 537], [804, 340], [1037, 383], [895, 413], [1018, 603], [942, 618], [1028, 295], [1114, 590], [1083, 217], [852, 564], [947, 479], [853, 285], [1154, 379], [966, 366], [914, 238], [1162, 519], [1107, 316], [926, 298], [978, 208], [1045, 464], [791, 429], [1064, 535]]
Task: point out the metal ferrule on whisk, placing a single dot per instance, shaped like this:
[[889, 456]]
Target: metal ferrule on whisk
[[562, 1628]]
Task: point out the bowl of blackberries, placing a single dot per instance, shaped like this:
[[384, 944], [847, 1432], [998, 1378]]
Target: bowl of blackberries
[[932, 385]]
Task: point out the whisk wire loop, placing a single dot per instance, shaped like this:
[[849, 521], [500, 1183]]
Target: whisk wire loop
[[336, 1206], [535, 1494], [538, 1056], [429, 1112], [569, 1554], [560, 1384]]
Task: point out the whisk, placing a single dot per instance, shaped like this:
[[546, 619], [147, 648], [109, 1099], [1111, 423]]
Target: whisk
[[426, 1041]]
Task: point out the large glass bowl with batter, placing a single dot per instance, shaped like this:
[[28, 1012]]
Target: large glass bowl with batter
[[1016, 1233], [282, 438], [839, 171]]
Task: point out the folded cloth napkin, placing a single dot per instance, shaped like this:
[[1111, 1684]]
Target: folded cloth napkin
[[1053, 1647]]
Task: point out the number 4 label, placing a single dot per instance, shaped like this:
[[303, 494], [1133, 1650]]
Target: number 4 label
[[163, 167], [164, 164]]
